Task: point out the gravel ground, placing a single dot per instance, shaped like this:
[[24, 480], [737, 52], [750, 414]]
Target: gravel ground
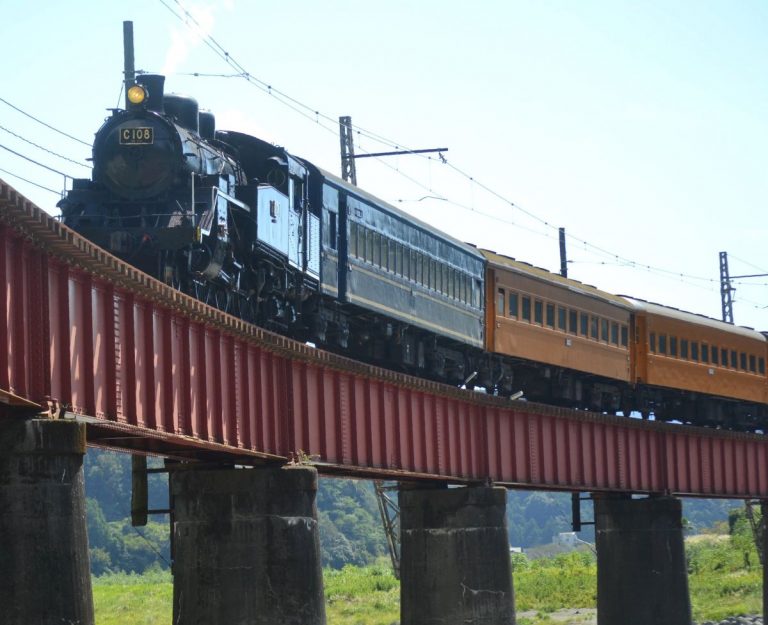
[[737, 620], [587, 616]]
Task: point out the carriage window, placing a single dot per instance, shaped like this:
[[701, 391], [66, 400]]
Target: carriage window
[[561, 318], [386, 253], [446, 280], [433, 275], [694, 351], [526, 308], [705, 353], [624, 336], [394, 266], [752, 363], [593, 328], [332, 233], [662, 343], [723, 357], [761, 365], [734, 359], [500, 303], [550, 315], [419, 271], [715, 353], [584, 324], [369, 245], [673, 346], [353, 239], [538, 311], [684, 348], [376, 248], [604, 330], [743, 361], [615, 333], [652, 342], [513, 305], [573, 321]]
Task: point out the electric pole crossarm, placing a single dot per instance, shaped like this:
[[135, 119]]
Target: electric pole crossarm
[[348, 156], [399, 152]]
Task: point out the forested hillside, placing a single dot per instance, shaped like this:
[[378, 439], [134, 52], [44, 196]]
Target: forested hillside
[[350, 526]]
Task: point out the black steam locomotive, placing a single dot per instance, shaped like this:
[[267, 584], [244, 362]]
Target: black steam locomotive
[[271, 238]]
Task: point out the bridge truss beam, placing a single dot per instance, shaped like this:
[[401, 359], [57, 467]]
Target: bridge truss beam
[[85, 335]]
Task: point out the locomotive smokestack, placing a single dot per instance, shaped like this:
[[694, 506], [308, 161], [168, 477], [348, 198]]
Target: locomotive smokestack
[[155, 85]]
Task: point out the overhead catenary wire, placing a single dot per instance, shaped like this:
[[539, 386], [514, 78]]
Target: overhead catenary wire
[[44, 149], [39, 186], [312, 113], [745, 262], [39, 121], [39, 164]]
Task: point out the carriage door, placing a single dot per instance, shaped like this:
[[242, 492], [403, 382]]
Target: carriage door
[[296, 223]]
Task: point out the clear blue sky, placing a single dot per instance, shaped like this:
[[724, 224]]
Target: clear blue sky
[[641, 127]]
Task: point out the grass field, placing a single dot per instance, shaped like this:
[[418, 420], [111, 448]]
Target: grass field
[[724, 578]]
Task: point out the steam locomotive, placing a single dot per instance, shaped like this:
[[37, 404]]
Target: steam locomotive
[[253, 230]]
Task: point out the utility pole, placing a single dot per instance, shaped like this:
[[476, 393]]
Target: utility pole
[[726, 290], [348, 155], [129, 69], [390, 518], [388, 508], [348, 172], [563, 256]]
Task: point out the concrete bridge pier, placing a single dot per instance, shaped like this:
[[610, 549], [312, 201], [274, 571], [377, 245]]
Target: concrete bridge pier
[[246, 547], [454, 562], [44, 569], [641, 572]]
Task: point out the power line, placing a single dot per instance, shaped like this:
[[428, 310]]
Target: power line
[[10, 173], [741, 260], [31, 160], [315, 115], [40, 147], [43, 123]]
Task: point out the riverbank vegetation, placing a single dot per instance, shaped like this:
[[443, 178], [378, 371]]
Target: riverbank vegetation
[[724, 578]]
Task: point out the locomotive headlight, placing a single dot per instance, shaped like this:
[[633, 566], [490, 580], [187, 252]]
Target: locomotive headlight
[[137, 94]]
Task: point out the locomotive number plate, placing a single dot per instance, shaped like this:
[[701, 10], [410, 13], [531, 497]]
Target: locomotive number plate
[[137, 136]]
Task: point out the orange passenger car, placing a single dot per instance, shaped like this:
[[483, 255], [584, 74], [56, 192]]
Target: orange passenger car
[[543, 318], [695, 354]]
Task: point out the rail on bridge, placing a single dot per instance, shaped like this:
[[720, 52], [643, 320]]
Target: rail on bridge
[[87, 339]]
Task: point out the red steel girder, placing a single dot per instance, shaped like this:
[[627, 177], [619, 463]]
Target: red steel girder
[[154, 370]]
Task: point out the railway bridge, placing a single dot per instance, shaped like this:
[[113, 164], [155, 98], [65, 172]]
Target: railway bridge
[[96, 353]]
